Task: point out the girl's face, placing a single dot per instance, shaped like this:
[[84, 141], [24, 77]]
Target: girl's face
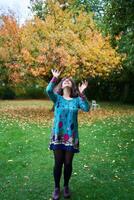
[[66, 83]]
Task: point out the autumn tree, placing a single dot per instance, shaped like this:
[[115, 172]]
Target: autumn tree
[[10, 47], [76, 48]]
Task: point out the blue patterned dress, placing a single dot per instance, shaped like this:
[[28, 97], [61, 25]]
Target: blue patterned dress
[[64, 133]]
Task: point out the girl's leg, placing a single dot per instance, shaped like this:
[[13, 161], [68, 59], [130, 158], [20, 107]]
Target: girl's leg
[[67, 167], [57, 170]]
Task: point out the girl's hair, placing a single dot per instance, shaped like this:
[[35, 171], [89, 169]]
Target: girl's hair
[[74, 89]]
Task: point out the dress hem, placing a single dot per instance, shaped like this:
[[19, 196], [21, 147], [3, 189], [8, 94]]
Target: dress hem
[[63, 147]]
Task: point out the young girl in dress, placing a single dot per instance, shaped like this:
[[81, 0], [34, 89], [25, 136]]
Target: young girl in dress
[[64, 137]]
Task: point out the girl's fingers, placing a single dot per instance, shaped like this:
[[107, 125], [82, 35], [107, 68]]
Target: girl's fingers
[[85, 82], [55, 71]]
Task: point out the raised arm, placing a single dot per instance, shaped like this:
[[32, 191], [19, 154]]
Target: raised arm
[[83, 103], [50, 87], [82, 100]]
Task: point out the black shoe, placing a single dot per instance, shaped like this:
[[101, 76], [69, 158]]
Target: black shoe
[[56, 194], [67, 193]]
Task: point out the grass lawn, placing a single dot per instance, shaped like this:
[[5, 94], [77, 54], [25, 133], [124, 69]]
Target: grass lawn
[[103, 170]]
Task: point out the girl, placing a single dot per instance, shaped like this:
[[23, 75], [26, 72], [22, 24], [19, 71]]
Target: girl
[[64, 138]]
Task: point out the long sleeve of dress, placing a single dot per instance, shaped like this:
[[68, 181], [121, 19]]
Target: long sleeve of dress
[[49, 89], [83, 103]]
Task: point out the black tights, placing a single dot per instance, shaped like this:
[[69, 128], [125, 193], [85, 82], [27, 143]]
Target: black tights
[[61, 157]]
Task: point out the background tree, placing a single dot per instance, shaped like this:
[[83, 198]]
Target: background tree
[[10, 46], [118, 20], [65, 36], [78, 48], [39, 8]]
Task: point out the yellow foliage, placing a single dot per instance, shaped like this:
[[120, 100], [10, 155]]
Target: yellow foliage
[[4, 54], [78, 49]]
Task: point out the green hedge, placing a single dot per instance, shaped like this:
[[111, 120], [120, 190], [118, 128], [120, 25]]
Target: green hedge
[[21, 92], [7, 93], [100, 90]]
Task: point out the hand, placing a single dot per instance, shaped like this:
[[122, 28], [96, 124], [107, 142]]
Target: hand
[[83, 86], [55, 73]]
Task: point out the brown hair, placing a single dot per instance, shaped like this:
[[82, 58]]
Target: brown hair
[[74, 89]]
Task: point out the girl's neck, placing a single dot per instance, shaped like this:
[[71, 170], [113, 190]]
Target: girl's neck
[[67, 92]]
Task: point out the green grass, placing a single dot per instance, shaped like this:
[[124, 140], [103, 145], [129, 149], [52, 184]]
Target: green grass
[[103, 170]]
